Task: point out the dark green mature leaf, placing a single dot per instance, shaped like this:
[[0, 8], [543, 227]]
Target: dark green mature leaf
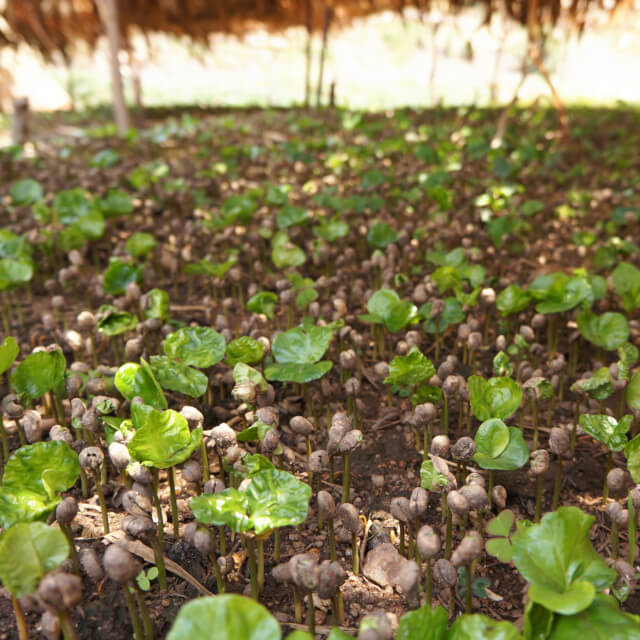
[[25, 192], [158, 305], [291, 216], [514, 456], [494, 398], [70, 205], [602, 620], [224, 617], [512, 300], [244, 349], [479, 627], [452, 314], [9, 351], [410, 370], [33, 477], [632, 453], [425, 623], [38, 373], [609, 330], [598, 386], [28, 551], [164, 440], [381, 234], [632, 393], [297, 346], [200, 347], [556, 556], [298, 373], [133, 380], [113, 323], [607, 429], [140, 244], [118, 275], [263, 302], [178, 377]]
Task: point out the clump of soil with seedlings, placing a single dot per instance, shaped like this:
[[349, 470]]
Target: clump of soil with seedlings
[[328, 373]]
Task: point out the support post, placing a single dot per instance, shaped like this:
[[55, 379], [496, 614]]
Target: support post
[[328, 16]]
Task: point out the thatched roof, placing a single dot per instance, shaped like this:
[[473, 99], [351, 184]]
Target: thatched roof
[[56, 25]]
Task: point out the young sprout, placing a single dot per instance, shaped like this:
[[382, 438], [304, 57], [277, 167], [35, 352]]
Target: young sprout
[[376, 626], [192, 472], [66, 511], [305, 575], [304, 427], [499, 496], [418, 505], [120, 458], [351, 441], [351, 521], [195, 420], [60, 592], [474, 342], [423, 416], [559, 444], [467, 551], [91, 459], [14, 410], [449, 391], [327, 511], [50, 625], [445, 575], [283, 574], [400, 510], [331, 577], [352, 390], [121, 567], [462, 452], [456, 503], [32, 426], [91, 565], [318, 462], [348, 362], [205, 542], [619, 518], [428, 545], [409, 581], [224, 438], [539, 467], [476, 495]]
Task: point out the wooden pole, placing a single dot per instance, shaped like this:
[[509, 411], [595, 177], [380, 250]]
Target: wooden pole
[[109, 15], [328, 16], [20, 120], [307, 79]]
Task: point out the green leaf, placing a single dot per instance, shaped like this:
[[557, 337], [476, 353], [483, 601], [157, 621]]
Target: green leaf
[[566, 295], [609, 330], [598, 386], [263, 302], [38, 373], [115, 203], [556, 556], [13, 245], [256, 431], [386, 307], [479, 627], [133, 380], [425, 623], [158, 305], [512, 300], [33, 477], [626, 281], [452, 314], [332, 230], [338, 634], [285, 253], [28, 551], [380, 235], [200, 347], [91, 225], [514, 456], [25, 192], [244, 349], [502, 524], [113, 323], [70, 205], [14, 272], [118, 275], [242, 372], [426, 393], [105, 159], [502, 364], [298, 373], [226, 508], [290, 216], [430, 477], [178, 377], [632, 393], [492, 437], [607, 429], [224, 617], [164, 440], [447, 278], [494, 398], [297, 346], [632, 453], [628, 355], [9, 351], [500, 548], [256, 463], [140, 244], [410, 370], [537, 622]]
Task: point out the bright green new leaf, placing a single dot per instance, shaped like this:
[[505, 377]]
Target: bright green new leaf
[[386, 307], [291, 216], [626, 281], [200, 347], [133, 380], [140, 244], [105, 159], [285, 253], [606, 429], [480, 627], [512, 300], [25, 192], [28, 551], [38, 373], [244, 349], [598, 386], [257, 431], [430, 477], [514, 456], [297, 346], [632, 453], [556, 556], [609, 330], [178, 377], [494, 398], [263, 302], [115, 203], [628, 355], [158, 306], [492, 437], [409, 370], [9, 351], [425, 623], [632, 393], [113, 323], [14, 272], [298, 373], [452, 314], [332, 230], [565, 295], [226, 508], [164, 440], [224, 617], [242, 372], [502, 524]]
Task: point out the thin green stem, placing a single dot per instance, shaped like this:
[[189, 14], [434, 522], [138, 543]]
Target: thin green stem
[[311, 612], [156, 502], [133, 614], [144, 612], [66, 623], [253, 569], [260, 559], [171, 472], [605, 489], [23, 630], [346, 476], [218, 572]]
